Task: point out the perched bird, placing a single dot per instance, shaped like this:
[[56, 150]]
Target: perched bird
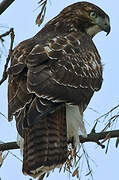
[[52, 78]]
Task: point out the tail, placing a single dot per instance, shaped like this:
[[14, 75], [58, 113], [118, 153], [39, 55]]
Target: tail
[[45, 144]]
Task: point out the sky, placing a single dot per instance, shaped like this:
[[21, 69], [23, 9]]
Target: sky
[[21, 16]]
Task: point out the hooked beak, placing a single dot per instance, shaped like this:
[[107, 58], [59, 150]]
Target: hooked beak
[[104, 24], [107, 29]]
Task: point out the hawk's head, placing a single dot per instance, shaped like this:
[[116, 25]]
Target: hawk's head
[[82, 16]]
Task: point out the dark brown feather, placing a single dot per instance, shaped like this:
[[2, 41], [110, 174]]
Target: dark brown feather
[[45, 144]]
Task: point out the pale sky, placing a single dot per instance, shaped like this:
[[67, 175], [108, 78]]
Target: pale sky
[[21, 16]]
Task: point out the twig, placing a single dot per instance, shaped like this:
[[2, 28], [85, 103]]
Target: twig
[[5, 4], [92, 137], [106, 114], [5, 34], [88, 163], [5, 73], [42, 13]]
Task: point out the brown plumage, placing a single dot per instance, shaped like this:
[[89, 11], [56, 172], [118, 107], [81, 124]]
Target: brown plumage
[[49, 139], [52, 78]]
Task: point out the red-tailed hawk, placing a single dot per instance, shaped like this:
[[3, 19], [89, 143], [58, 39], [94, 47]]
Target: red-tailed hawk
[[52, 78]]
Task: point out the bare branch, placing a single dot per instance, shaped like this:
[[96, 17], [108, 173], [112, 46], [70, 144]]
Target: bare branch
[[5, 73], [8, 146], [92, 137], [5, 4]]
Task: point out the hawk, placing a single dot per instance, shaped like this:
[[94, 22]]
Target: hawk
[[52, 78]]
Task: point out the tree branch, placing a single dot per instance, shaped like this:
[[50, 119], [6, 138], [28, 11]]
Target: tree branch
[[5, 4], [92, 137], [5, 73], [8, 146]]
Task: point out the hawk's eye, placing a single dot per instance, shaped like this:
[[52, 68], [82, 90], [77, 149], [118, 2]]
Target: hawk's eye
[[93, 14]]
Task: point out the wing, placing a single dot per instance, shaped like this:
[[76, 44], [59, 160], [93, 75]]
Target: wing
[[61, 70], [18, 95], [64, 66]]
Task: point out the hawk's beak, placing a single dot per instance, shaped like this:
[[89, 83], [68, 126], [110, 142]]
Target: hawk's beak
[[104, 24], [107, 28]]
